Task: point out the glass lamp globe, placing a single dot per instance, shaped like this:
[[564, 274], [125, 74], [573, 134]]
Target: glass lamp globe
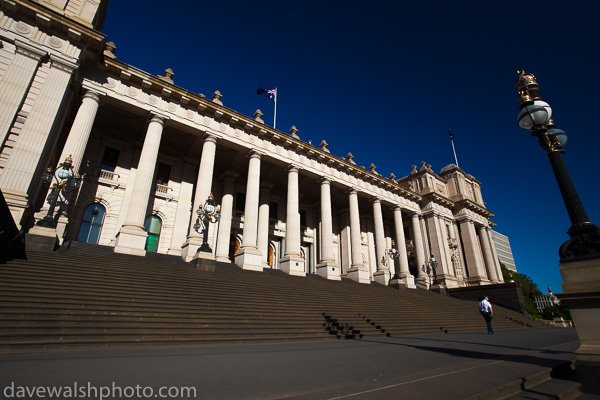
[[63, 173], [209, 208], [536, 115]]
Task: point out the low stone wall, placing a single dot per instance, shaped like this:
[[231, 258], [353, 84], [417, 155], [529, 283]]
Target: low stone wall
[[507, 295]]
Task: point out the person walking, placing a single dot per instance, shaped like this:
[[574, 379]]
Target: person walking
[[485, 308]]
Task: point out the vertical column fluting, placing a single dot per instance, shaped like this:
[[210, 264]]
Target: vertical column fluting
[[224, 235], [382, 275], [326, 222], [473, 258], [132, 237], [262, 240], [203, 190], [292, 230], [419, 246], [356, 241], [292, 262], [81, 129], [401, 247], [16, 83], [487, 254], [248, 257]]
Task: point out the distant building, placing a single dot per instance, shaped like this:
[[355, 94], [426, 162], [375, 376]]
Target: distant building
[[504, 251], [150, 152], [546, 300]]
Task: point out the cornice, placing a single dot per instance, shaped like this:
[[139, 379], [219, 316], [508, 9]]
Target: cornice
[[471, 205], [49, 19], [164, 89], [438, 198]]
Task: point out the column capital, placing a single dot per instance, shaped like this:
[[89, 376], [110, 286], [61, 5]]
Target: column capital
[[30, 51], [352, 190], [255, 154], [266, 186], [229, 176], [397, 207], [93, 95], [292, 168], [157, 117], [209, 137], [62, 64], [375, 200], [325, 181]]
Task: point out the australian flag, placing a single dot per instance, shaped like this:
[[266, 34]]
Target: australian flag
[[451, 134], [269, 93]]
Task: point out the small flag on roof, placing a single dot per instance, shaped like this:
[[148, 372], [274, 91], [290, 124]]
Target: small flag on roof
[[272, 93]]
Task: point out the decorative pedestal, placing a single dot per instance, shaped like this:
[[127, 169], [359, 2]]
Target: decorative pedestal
[[292, 266], [41, 239], [422, 282], [131, 240], [329, 270], [581, 288], [397, 284], [382, 277], [190, 248], [409, 281], [358, 275], [249, 258]]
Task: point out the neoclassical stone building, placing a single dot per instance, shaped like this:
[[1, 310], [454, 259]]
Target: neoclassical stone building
[[150, 153]]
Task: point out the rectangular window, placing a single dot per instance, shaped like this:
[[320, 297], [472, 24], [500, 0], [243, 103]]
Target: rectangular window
[[109, 159], [240, 202], [163, 173], [303, 218], [273, 210]]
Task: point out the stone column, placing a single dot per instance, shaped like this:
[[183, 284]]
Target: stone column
[[16, 82], [131, 239], [249, 257], [402, 260], [439, 245], [189, 250], [185, 198], [224, 234], [263, 223], [74, 148], [357, 271], [292, 262], [422, 280], [382, 275], [488, 257], [19, 178], [327, 267], [473, 258]]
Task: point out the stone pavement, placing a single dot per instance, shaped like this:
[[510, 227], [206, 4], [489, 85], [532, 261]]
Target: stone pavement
[[443, 366]]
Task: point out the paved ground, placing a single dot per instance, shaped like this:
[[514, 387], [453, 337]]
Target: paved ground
[[444, 366]]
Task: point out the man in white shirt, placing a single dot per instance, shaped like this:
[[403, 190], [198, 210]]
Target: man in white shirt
[[485, 308]]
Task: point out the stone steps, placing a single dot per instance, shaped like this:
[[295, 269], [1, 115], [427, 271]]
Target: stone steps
[[88, 295]]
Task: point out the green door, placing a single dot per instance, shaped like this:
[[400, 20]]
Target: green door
[[152, 225]]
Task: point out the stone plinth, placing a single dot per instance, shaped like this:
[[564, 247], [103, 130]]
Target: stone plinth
[[249, 258], [358, 275], [581, 288], [41, 239], [329, 270], [292, 265], [382, 277]]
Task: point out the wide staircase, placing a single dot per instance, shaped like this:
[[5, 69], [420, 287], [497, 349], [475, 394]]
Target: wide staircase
[[86, 295]]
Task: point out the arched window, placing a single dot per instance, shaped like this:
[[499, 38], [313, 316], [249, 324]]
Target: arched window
[[91, 224], [152, 225]]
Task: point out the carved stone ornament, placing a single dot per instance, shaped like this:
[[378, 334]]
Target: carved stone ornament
[[584, 244]]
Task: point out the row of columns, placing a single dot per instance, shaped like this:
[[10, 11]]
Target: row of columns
[[252, 254]]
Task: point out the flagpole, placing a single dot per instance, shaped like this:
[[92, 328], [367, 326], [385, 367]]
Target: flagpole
[[453, 149], [275, 113]]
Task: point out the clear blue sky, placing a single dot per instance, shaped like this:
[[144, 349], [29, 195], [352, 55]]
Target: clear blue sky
[[385, 80]]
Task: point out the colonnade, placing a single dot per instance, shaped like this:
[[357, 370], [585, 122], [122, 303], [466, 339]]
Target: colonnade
[[252, 253]]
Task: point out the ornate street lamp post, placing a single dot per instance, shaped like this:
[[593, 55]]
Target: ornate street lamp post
[[207, 214], [391, 254], [66, 180], [580, 255], [536, 115]]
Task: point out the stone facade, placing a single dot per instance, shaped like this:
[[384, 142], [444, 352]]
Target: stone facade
[[151, 152]]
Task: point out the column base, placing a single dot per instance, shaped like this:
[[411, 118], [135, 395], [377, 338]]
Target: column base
[[190, 248], [205, 264], [397, 284], [358, 275], [292, 265], [131, 239], [409, 281], [249, 258], [382, 277], [18, 204], [329, 270], [422, 282], [41, 239]]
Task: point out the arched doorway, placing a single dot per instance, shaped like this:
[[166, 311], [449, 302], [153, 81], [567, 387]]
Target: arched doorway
[[152, 225], [91, 223]]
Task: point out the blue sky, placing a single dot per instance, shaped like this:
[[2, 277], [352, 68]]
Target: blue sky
[[386, 80]]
